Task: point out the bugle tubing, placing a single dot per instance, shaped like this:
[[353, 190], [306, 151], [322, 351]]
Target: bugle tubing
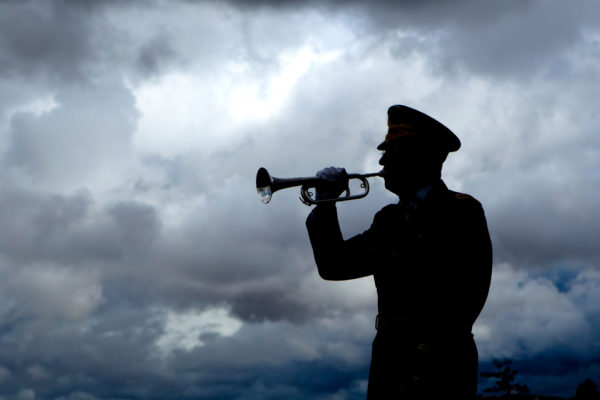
[[266, 185]]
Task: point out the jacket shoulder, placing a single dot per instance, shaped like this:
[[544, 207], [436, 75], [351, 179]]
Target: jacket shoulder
[[462, 198], [463, 203]]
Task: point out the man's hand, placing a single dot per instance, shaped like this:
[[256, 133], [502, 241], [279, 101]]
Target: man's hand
[[335, 182]]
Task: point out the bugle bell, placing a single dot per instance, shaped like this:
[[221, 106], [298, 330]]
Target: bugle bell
[[266, 185]]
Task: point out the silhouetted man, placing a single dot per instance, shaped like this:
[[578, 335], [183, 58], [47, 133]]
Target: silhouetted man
[[430, 255]]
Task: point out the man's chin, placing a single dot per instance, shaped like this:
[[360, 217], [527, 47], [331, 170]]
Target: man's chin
[[398, 186], [391, 185]]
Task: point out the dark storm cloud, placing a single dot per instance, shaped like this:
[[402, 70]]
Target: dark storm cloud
[[58, 251], [539, 185], [89, 128], [71, 41], [65, 266], [541, 231], [44, 37], [503, 39], [257, 271], [266, 303], [154, 54], [528, 39], [32, 220], [258, 364], [60, 229], [74, 359]]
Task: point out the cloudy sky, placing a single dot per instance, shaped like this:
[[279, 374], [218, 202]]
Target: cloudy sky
[[136, 261]]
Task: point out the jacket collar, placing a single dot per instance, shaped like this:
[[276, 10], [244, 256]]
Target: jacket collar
[[426, 193]]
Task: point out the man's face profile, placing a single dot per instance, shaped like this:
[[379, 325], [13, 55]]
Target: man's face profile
[[407, 168]]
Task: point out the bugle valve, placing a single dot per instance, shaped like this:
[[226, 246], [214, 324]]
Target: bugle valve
[[266, 185]]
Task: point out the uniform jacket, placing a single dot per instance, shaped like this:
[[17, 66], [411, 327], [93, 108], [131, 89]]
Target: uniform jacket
[[431, 259]]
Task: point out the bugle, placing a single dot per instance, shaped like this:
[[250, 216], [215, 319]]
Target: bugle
[[266, 185]]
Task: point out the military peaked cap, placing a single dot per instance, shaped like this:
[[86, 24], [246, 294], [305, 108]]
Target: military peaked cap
[[409, 127]]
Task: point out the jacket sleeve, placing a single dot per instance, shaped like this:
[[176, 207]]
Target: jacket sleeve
[[337, 259], [472, 255]]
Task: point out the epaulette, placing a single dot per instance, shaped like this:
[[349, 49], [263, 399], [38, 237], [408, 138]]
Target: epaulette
[[462, 196]]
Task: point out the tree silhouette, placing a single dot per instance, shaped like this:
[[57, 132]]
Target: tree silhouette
[[587, 391], [505, 377]]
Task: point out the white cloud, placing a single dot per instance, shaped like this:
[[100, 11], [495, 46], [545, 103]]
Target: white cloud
[[184, 330], [525, 315], [189, 111], [37, 107], [52, 291]]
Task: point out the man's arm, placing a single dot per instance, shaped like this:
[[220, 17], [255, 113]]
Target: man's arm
[[337, 259], [478, 261], [471, 255]]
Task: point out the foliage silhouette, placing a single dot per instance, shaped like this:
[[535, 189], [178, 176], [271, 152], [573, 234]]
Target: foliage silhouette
[[505, 377], [587, 391]]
